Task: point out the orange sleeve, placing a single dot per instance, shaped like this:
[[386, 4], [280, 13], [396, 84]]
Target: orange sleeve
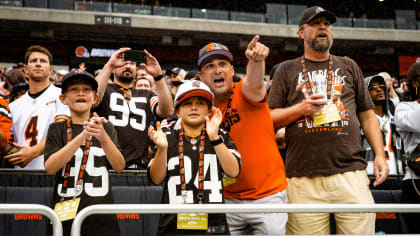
[[5, 118]]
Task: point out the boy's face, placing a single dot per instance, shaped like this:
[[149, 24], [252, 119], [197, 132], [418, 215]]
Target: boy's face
[[38, 67], [193, 111], [79, 97]]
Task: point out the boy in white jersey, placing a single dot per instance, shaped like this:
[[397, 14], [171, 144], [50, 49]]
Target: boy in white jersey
[[35, 111]]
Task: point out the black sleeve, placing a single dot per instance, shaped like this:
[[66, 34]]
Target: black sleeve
[[54, 140], [112, 133]]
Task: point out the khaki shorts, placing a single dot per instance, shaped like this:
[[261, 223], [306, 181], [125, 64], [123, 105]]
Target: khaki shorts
[[347, 188]]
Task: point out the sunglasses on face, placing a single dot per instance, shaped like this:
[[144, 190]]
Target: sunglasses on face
[[375, 87]]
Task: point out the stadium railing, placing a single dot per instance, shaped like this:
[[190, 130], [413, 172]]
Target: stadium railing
[[133, 187], [239, 208]]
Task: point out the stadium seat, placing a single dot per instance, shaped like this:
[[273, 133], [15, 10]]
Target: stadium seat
[[134, 224], [26, 224], [389, 223]]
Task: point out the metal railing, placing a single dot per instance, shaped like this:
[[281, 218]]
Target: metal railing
[[237, 208], [34, 209]]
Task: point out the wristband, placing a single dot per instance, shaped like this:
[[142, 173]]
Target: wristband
[[216, 142], [157, 78]]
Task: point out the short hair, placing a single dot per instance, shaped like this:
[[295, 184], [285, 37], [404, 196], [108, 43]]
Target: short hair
[[37, 48]]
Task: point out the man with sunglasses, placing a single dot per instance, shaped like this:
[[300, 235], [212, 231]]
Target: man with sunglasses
[[384, 110]]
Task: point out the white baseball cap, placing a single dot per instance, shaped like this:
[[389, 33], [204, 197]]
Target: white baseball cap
[[193, 88]]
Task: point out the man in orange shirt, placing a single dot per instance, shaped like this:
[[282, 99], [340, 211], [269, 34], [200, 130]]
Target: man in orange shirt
[[247, 119]]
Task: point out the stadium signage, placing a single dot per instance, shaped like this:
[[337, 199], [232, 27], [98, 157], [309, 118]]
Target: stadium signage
[[83, 52], [112, 20]]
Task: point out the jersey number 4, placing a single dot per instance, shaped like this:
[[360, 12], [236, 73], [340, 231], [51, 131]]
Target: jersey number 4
[[31, 131], [117, 104], [213, 184]]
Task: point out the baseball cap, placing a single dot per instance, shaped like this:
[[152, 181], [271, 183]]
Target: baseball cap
[[414, 72], [384, 75], [192, 74], [313, 12], [377, 78], [213, 49], [193, 88], [176, 70], [80, 75]]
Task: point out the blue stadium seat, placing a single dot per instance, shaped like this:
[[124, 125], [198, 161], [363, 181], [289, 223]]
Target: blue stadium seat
[[143, 224]]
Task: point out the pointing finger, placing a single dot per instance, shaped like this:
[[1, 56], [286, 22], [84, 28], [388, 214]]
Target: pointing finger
[[253, 42]]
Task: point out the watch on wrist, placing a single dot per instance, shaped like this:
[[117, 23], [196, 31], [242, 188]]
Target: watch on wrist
[[157, 78], [216, 142]]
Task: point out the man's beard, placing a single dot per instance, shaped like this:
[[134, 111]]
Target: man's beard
[[321, 46], [126, 78]]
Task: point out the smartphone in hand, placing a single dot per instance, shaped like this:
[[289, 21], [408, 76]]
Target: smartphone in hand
[[135, 56]]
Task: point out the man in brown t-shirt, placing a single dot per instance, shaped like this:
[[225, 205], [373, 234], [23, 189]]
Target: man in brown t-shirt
[[322, 100]]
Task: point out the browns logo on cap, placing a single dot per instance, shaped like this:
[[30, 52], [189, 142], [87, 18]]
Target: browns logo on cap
[[193, 88], [212, 49]]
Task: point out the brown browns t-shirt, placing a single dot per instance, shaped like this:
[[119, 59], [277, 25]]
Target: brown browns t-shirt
[[330, 148]]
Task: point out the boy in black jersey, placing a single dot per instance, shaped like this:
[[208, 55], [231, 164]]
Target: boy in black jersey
[[193, 156], [80, 150]]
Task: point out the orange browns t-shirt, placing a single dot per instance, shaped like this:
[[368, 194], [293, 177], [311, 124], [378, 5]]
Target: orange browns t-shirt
[[262, 170]]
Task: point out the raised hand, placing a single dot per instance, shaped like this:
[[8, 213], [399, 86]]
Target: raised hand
[[94, 127], [256, 51], [152, 65], [212, 125], [157, 136], [117, 59]]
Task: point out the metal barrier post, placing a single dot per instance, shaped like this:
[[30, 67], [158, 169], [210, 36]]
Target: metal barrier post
[[236, 208], [34, 209]]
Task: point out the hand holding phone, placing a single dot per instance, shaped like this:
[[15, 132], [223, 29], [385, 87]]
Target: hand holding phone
[[135, 56]]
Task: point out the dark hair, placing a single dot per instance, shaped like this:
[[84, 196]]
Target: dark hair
[[140, 67], [13, 77], [413, 75], [37, 48]]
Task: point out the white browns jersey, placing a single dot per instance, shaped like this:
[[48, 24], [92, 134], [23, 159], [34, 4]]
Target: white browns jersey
[[32, 117]]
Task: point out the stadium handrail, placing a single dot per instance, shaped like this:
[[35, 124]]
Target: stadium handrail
[[236, 208], [33, 209]]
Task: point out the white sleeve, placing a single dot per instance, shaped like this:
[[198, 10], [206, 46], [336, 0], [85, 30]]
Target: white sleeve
[[407, 116], [62, 110], [395, 100]]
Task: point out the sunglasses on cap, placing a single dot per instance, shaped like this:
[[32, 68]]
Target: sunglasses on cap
[[375, 87]]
